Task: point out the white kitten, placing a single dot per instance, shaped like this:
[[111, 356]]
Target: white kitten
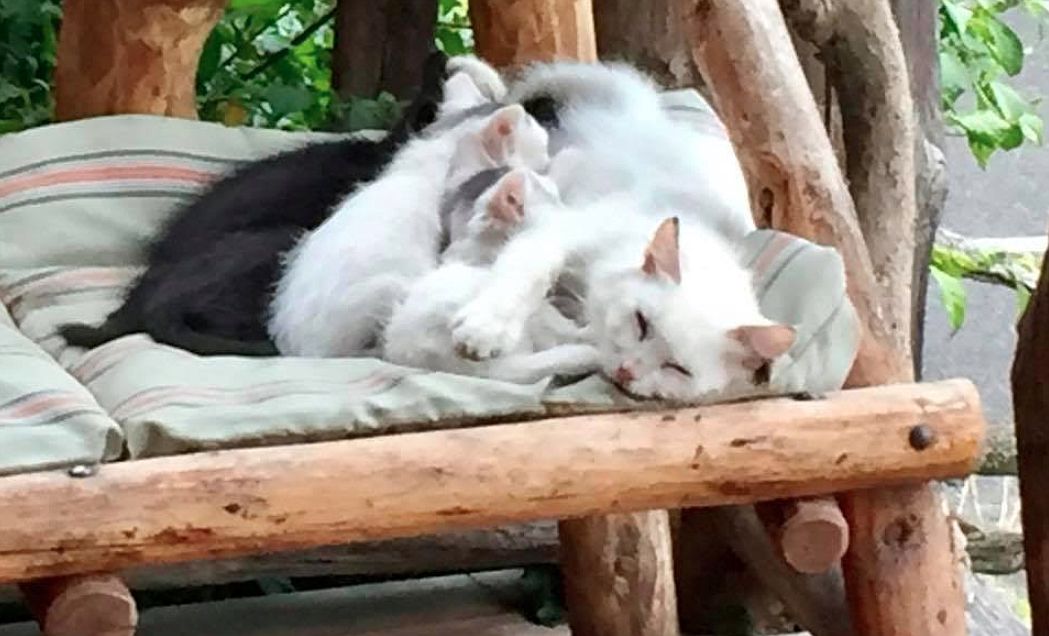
[[341, 281], [673, 314], [613, 115], [419, 333]]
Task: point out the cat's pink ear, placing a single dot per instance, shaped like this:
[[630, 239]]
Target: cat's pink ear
[[763, 343], [507, 202], [497, 137], [662, 255]]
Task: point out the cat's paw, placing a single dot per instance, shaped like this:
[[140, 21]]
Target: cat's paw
[[482, 331], [487, 79]]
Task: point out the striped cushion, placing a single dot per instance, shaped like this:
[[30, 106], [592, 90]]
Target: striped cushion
[[79, 200]]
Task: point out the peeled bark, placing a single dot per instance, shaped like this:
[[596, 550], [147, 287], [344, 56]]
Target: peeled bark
[[511, 32], [131, 56]]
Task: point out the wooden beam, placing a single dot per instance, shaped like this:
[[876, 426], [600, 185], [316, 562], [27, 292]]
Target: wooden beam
[[211, 505], [511, 32], [1031, 407], [136, 56], [908, 586]]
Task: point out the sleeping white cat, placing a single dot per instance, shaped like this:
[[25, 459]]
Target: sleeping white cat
[[341, 281], [628, 142], [670, 306], [419, 333]]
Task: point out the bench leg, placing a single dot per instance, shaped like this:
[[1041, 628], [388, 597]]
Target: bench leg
[[902, 574], [82, 605], [618, 575]]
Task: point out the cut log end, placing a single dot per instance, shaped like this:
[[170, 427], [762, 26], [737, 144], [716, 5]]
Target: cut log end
[[97, 604], [814, 535]]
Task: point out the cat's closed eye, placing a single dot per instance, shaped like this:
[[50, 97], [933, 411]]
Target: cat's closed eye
[[642, 325], [677, 367]]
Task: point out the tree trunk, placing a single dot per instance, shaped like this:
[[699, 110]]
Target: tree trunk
[[647, 35], [511, 32], [131, 56], [380, 45], [918, 23], [1030, 384], [910, 583]]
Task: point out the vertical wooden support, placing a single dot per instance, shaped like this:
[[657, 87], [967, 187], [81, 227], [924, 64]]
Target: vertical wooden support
[[380, 45], [131, 56], [81, 605], [900, 572], [1030, 382], [510, 32], [618, 569]]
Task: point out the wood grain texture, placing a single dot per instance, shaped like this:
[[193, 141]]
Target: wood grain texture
[[512, 32], [131, 56], [225, 503], [96, 604]]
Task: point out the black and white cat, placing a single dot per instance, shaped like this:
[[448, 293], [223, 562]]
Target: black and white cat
[[211, 272], [341, 281]]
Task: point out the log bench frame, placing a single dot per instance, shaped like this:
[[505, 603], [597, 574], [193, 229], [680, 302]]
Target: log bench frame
[[608, 477]]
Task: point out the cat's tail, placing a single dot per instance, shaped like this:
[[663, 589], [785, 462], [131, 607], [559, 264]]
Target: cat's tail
[[119, 323], [171, 329]]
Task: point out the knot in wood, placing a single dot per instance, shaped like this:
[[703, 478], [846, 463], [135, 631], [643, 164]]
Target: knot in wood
[[80, 471], [921, 437]]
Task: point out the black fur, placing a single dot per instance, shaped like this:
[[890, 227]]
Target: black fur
[[210, 275]]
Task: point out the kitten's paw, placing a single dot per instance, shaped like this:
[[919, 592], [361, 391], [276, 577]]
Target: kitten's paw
[[487, 79], [482, 333]]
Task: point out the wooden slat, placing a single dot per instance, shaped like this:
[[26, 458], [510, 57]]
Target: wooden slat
[[225, 503]]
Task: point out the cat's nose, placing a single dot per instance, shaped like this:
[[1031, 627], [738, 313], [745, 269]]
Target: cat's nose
[[623, 375]]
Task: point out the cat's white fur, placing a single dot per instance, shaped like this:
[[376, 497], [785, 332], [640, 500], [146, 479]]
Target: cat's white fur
[[613, 115], [695, 297], [419, 333], [340, 282]]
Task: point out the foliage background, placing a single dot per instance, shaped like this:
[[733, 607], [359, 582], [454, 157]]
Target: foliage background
[[267, 64]]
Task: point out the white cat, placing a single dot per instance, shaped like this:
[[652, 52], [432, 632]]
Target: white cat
[[419, 333], [673, 313], [613, 115], [340, 282]]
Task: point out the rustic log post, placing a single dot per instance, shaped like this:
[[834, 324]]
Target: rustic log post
[[648, 36], [900, 580], [1030, 386], [131, 56], [618, 569], [96, 604], [381, 46], [511, 32]]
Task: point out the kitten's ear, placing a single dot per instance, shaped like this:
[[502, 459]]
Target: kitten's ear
[[662, 255], [497, 137], [507, 202], [763, 343]]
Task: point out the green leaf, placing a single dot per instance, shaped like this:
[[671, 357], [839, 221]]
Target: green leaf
[[1023, 296], [985, 126], [284, 99], [1010, 103], [253, 4], [957, 16], [954, 76], [952, 293], [1005, 46], [1031, 126]]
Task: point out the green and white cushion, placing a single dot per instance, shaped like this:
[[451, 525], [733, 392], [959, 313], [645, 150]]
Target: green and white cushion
[[80, 200]]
